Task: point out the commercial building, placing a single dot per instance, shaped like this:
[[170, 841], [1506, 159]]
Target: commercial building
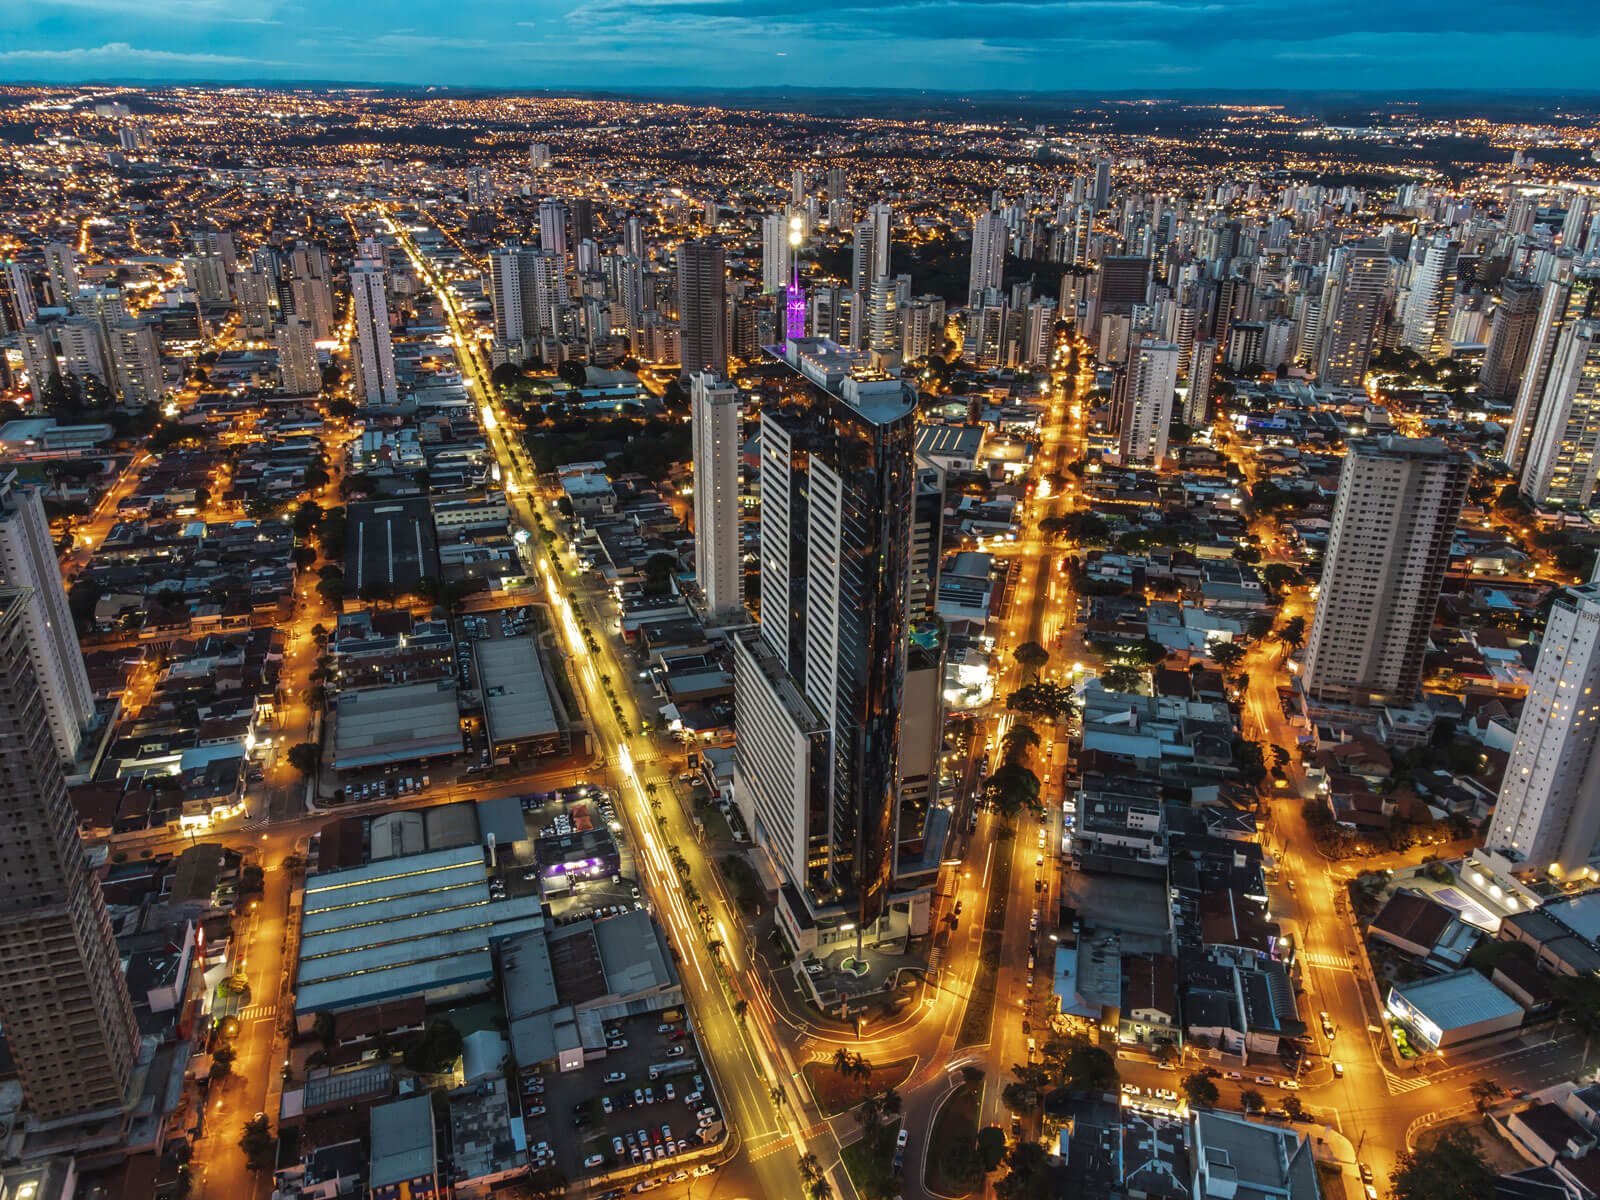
[[1548, 813], [404, 1161], [520, 711], [407, 723], [415, 925], [719, 572], [28, 562], [1235, 1157], [1393, 524], [64, 1005], [1448, 1010], [833, 677]]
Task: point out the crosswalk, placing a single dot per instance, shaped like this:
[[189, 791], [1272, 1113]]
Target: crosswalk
[[1328, 962], [1399, 1086], [258, 1012]]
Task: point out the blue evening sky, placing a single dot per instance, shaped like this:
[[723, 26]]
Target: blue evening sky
[[953, 45]]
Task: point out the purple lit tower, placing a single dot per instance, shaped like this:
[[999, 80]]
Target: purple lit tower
[[794, 304]]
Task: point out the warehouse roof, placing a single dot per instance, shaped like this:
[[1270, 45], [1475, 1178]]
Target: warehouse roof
[[516, 698], [1457, 999], [395, 724]]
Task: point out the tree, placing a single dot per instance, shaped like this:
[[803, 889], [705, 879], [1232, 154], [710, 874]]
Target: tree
[[842, 1061], [812, 1177], [257, 1142], [1041, 700], [222, 1063], [991, 1146], [1121, 678], [505, 375], [1293, 633], [436, 1049], [1010, 789], [573, 372], [325, 1026], [545, 1183], [1251, 1100], [1163, 1052], [303, 757], [1031, 656], [1485, 1092], [1226, 655], [1295, 1110], [1450, 1167], [426, 589], [1019, 1098], [659, 569], [961, 1161], [1200, 1091], [1028, 1173]]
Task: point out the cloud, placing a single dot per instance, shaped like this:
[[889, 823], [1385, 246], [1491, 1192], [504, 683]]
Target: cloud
[[221, 12], [120, 55]]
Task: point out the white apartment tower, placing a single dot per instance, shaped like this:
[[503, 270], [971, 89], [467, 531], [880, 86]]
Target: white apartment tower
[[714, 410], [28, 560], [1146, 410], [1352, 307], [299, 373], [989, 236], [1561, 465], [776, 253], [374, 343], [1548, 813], [1393, 524], [136, 358], [1433, 289]]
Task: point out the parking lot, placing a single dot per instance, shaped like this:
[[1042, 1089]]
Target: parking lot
[[679, 1103]]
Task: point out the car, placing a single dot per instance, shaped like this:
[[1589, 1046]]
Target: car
[[648, 1152], [647, 1185], [606, 1106], [633, 1138], [1292, 1084], [1366, 1173], [594, 1160], [635, 1156], [536, 1110], [1166, 1094], [666, 1134], [1130, 1089], [692, 1099], [1033, 921], [814, 968], [669, 1091], [617, 1044], [901, 1138], [1372, 1192], [644, 1138], [675, 1051], [617, 1147], [677, 1035], [616, 1076], [957, 909], [1268, 1080], [1338, 1070], [579, 1120], [1234, 1075], [677, 1177], [638, 1095], [706, 1114], [664, 1028], [649, 1095], [613, 1194], [1030, 958], [701, 1171]]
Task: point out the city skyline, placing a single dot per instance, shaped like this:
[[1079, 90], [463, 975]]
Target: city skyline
[[1023, 47]]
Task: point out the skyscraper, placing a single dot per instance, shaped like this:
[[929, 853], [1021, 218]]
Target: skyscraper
[[553, 226], [819, 688], [374, 342], [299, 373], [1561, 464], [1516, 316], [989, 236], [1100, 190], [312, 289], [702, 307], [714, 411], [1433, 289], [63, 1001], [1146, 411], [28, 562], [1549, 806], [776, 253], [1393, 523], [1197, 403], [1352, 315], [1565, 301]]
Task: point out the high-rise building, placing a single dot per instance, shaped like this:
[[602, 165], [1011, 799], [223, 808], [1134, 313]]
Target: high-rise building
[[1146, 412], [989, 237], [1124, 282], [1352, 315], [1548, 813], [39, 358], [16, 286], [254, 293], [1516, 316], [777, 255], [553, 226], [312, 288], [63, 1000], [1393, 524], [83, 348], [714, 411], [1100, 190], [702, 307], [1433, 289], [1197, 403], [299, 372], [1565, 301], [1561, 464], [136, 362], [374, 341], [61, 273], [927, 537], [28, 562], [819, 688]]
